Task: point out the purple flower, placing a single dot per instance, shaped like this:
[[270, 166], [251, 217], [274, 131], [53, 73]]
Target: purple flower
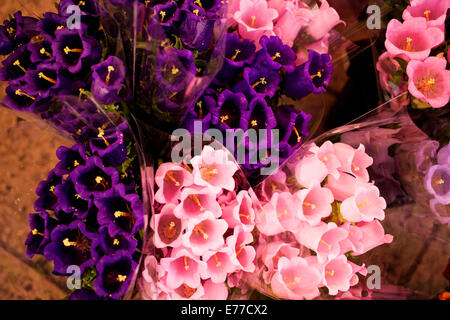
[[443, 156], [230, 108], [83, 294], [196, 31], [16, 65], [46, 192], [109, 244], [47, 80], [108, 77], [275, 54], [293, 124], [261, 81], [41, 50], [311, 77], [18, 99], [70, 245], [94, 178], [203, 7], [50, 24], [437, 182], [166, 13], [70, 158], [259, 115], [19, 30], [41, 225], [110, 148], [70, 201], [120, 211], [202, 111], [74, 50], [114, 275], [175, 69]]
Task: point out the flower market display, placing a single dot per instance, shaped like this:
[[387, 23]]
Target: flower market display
[[201, 165]]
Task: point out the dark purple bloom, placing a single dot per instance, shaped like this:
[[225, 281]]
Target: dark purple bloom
[[107, 79], [175, 69], [166, 13], [110, 148], [203, 7], [313, 76], [41, 225], [275, 54], [293, 124], [70, 158], [259, 115], [201, 112], [50, 24], [114, 275], [120, 211], [16, 65], [75, 50], [47, 80], [230, 108], [46, 193], [83, 294], [94, 178], [41, 49], [109, 244], [260, 81], [7, 43], [70, 201], [70, 245], [19, 30], [196, 31], [18, 99], [437, 182]]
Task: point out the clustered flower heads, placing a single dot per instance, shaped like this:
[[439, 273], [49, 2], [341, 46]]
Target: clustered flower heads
[[202, 231], [411, 43], [89, 214], [311, 230]]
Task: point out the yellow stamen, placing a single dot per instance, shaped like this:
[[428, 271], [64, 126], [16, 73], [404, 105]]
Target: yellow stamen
[[325, 159], [313, 206], [299, 138], [171, 178], [247, 216], [277, 55], [67, 50], [284, 212], [408, 44], [198, 229], [218, 264], [98, 179], [195, 12], [197, 201], [236, 52], [427, 14], [21, 93], [363, 204], [37, 39], [240, 249], [261, 81], [171, 225], [254, 123], [253, 21], [76, 163], [119, 214], [77, 196], [200, 110], [224, 118], [146, 3], [59, 27], [121, 278], [52, 189], [43, 51], [296, 280], [68, 243], [36, 232], [43, 76], [101, 134], [331, 273], [81, 3], [355, 167], [116, 242], [327, 244], [186, 266], [440, 181], [317, 75], [10, 30], [197, 2], [175, 70], [163, 14], [17, 64], [108, 76], [82, 91]]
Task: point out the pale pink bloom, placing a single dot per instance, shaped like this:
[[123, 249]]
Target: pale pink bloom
[[286, 208], [183, 267], [429, 81], [232, 8], [243, 255], [434, 11], [322, 21], [343, 187], [279, 5], [337, 274], [295, 279], [170, 179], [255, 19], [272, 252], [365, 205], [147, 284], [240, 212], [267, 220], [195, 202], [412, 39], [204, 234], [353, 161], [353, 241], [314, 203], [290, 23], [274, 183], [168, 228], [354, 279], [218, 264], [215, 291], [372, 236], [213, 169], [387, 67], [327, 155], [225, 198], [309, 170]]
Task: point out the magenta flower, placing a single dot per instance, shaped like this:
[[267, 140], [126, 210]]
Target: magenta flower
[[412, 39], [243, 255], [183, 267], [315, 203], [434, 11], [429, 81], [206, 234], [372, 236], [310, 170], [255, 19], [213, 169], [168, 228], [240, 212], [365, 205], [218, 264], [195, 202], [337, 275], [295, 279], [171, 178]]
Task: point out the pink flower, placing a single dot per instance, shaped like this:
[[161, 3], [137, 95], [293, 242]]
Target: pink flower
[[240, 212], [320, 46], [168, 228], [434, 11], [295, 279], [267, 220], [205, 234], [213, 169], [429, 81], [285, 206], [255, 19], [274, 183], [272, 252], [290, 23], [185, 292], [195, 202], [412, 39], [387, 67], [372, 236], [353, 161], [365, 205], [215, 291], [343, 187], [337, 275], [218, 264], [309, 170], [243, 255], [353, 241], [322, 21], [315, 203], [327, 155], [279, 5], [356, 269], [170, 178], [183, 267]]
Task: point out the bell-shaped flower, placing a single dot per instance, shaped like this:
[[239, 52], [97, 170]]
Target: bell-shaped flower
[[168, 228], [315, 203], [170, 179], [240, 212], [366, 205], [218, 264], [337, 274], [243, 254]]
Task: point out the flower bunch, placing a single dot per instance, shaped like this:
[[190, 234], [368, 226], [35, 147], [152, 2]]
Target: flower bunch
[[202, 231], [89, 214], [415, 58], [318, 213]]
